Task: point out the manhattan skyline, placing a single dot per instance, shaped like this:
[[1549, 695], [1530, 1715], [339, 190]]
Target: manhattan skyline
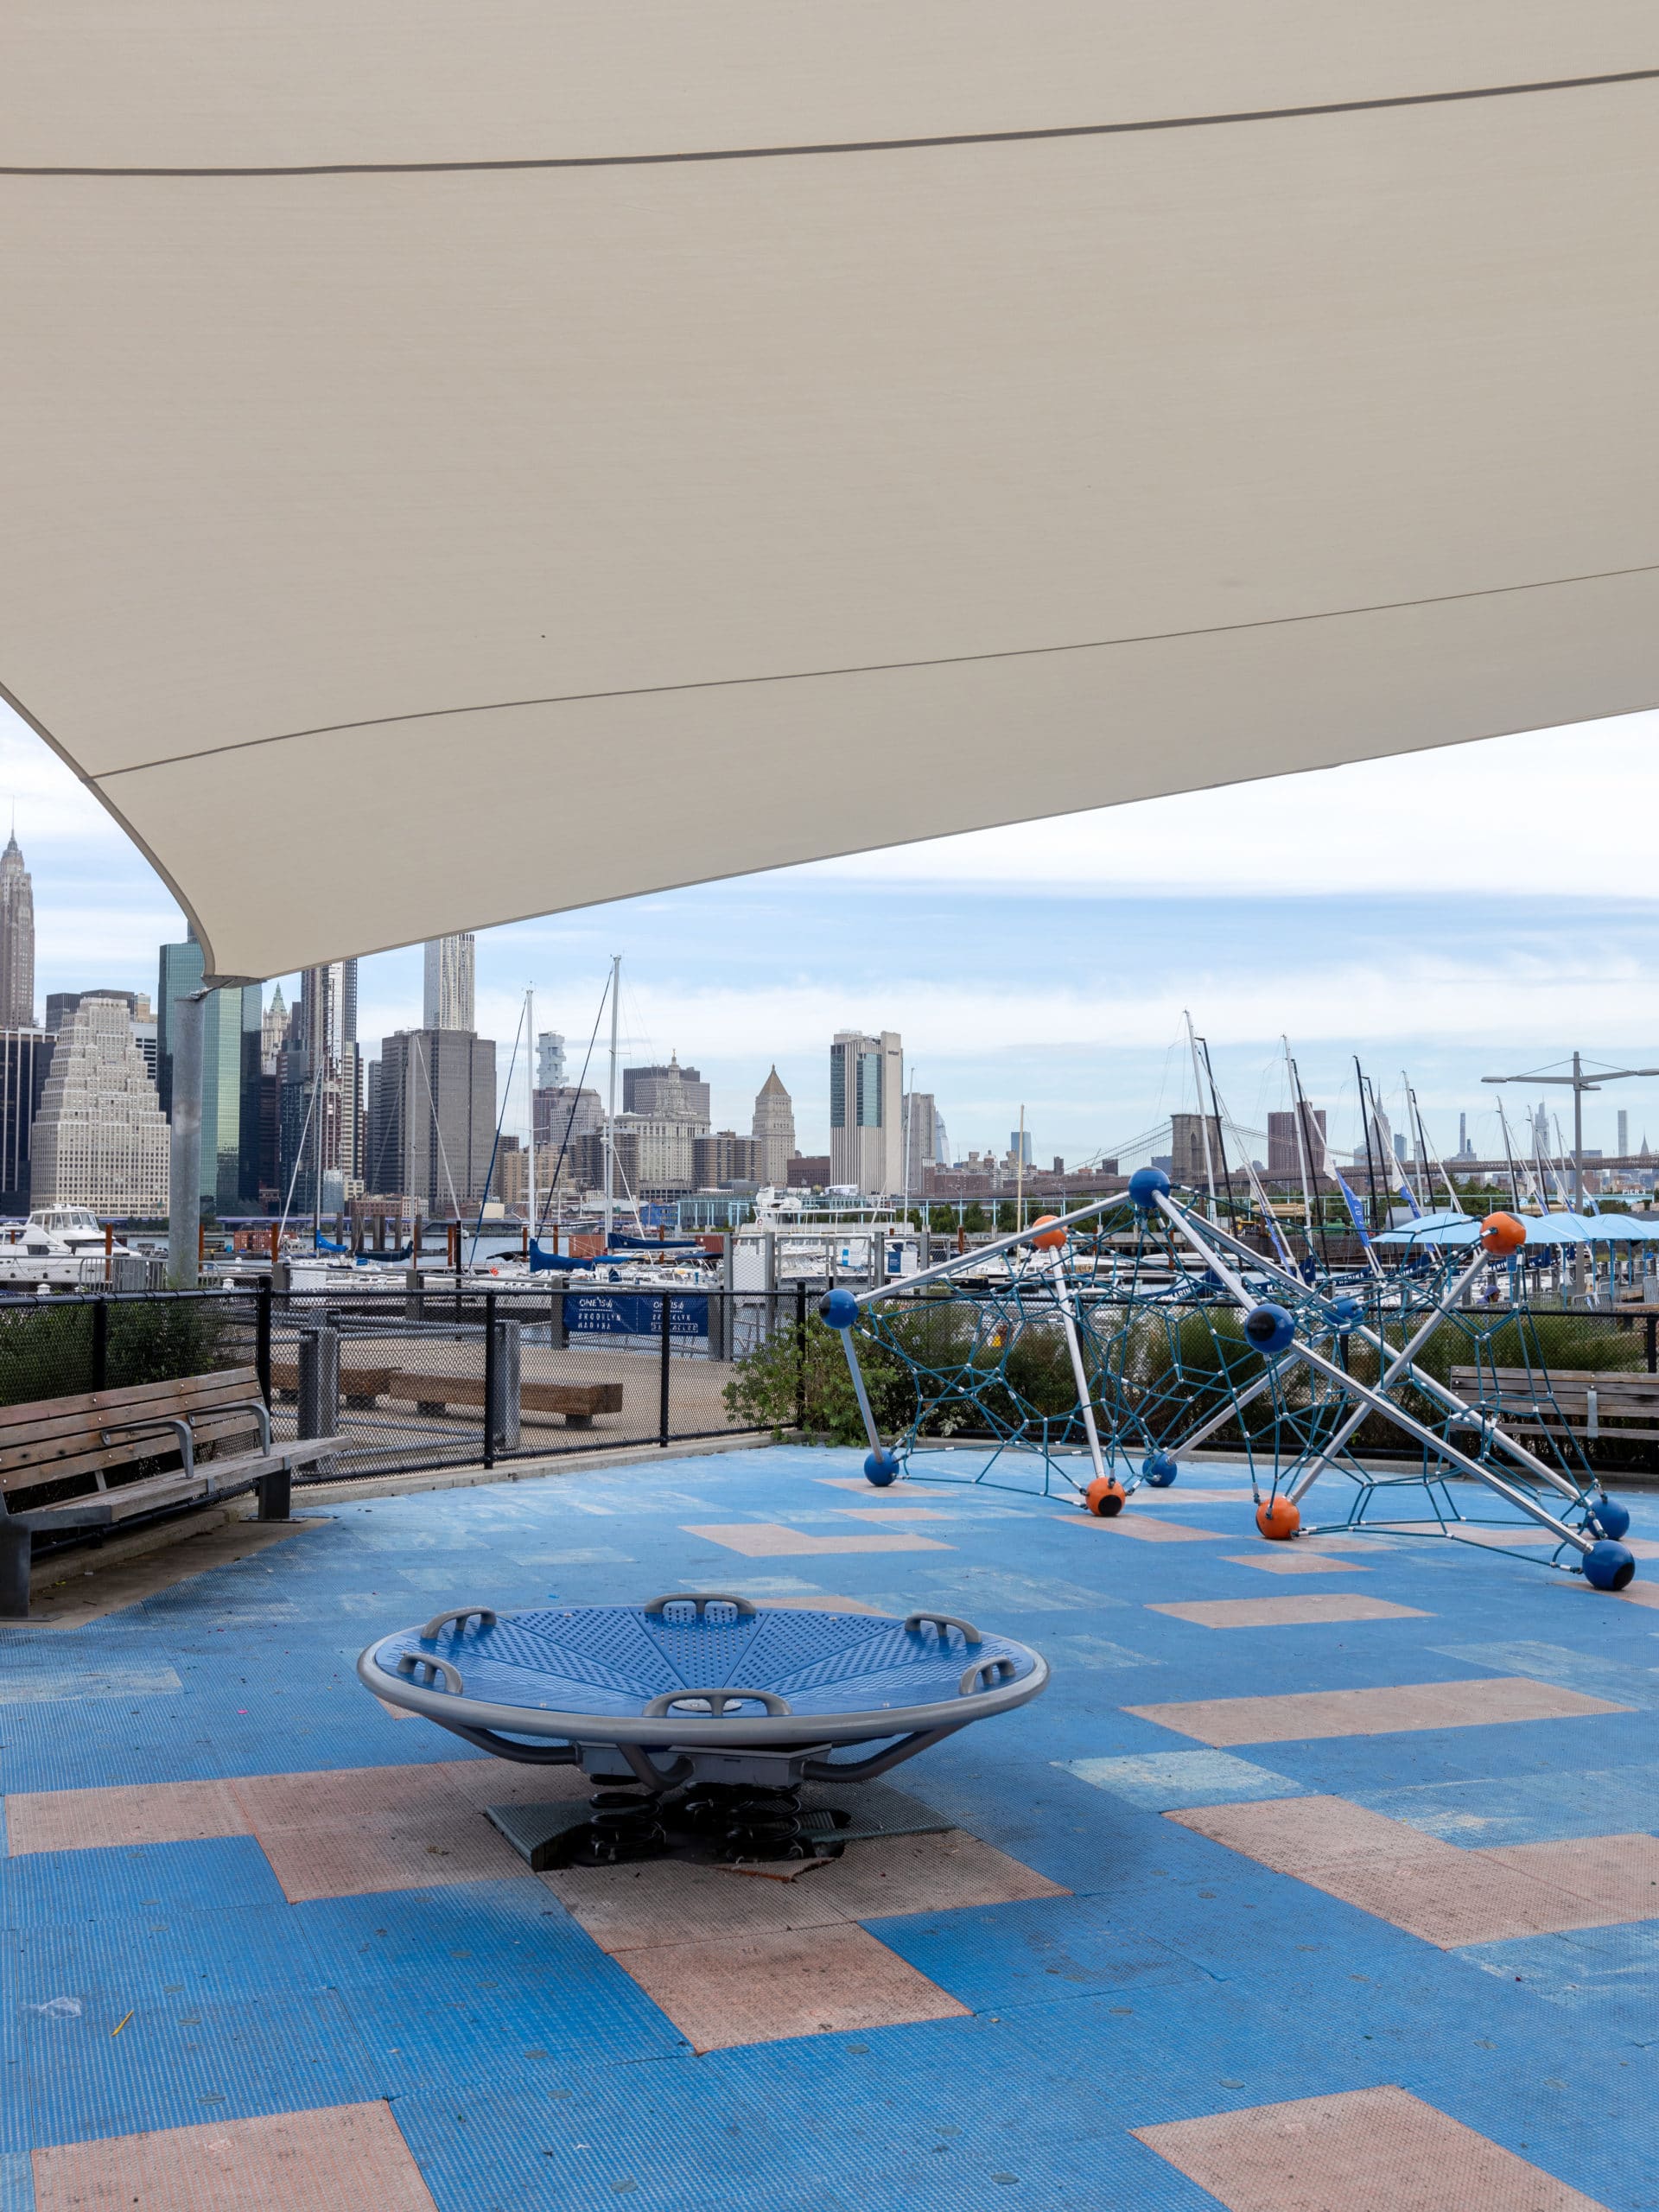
[[1368, 908]]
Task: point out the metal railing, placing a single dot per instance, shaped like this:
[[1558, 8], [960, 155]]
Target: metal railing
[[446, 1375]]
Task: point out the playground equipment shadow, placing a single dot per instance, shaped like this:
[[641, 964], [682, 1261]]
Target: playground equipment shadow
[[1325, 1892]]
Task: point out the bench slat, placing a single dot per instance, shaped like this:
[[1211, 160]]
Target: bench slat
[[104, 1508], [56, 1461], [134, 1397]]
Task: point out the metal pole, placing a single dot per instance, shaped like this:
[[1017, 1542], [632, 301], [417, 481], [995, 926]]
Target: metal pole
[[261, 1338], [1578, 1135], [489, 1378], [530, 1184], [184, 1160], [661, 1401], [610, 1127]]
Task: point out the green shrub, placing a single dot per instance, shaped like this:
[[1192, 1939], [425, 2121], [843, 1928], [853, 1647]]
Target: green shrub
[[45, 1349]]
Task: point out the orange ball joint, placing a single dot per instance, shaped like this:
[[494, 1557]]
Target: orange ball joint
[[1050, 1240], [1501, 1234], [1104, 1496], [1276, 1517]]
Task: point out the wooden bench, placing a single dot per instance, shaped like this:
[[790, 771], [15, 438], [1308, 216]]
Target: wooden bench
[[359, 1387], [1560, 1403], [577, 1402], [201, 1424]]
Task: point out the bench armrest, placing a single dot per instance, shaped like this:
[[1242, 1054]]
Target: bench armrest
[[180, 1428], [255, 1406]]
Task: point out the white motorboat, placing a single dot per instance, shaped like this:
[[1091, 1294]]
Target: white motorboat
[[61, 1247]]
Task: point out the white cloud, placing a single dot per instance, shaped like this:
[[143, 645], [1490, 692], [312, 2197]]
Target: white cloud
[[1443, 819]]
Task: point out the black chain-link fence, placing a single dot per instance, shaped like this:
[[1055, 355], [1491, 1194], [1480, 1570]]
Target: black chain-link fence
[[413, 1380], [410, 1379]]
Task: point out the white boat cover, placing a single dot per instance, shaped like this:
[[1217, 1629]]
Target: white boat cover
[[469, 458]]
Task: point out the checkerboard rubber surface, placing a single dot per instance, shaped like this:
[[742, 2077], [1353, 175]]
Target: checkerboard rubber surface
[[1353, 1906]]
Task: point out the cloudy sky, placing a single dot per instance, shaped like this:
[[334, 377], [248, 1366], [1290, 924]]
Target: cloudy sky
[[1476, 909]]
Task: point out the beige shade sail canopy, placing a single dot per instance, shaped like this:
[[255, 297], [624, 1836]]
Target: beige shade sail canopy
[[465, 459]]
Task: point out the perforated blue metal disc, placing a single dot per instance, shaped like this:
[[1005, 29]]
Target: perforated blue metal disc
[[594, 1672]]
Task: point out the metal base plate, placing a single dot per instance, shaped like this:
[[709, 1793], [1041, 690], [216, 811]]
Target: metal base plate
[[535, 1831]]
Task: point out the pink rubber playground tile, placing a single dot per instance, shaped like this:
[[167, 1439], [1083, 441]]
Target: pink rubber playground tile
[[443, 1841], [1638, 1593], [340, 2159], [786, 1982], [142, 1812], [770, 1540], [1430, 1888], [1378, 2149], [1304, 1715], [662, 1902], [894, 1514], [1616, 1875], [1273, 1560], [1149, 1532], [1312, 1606]]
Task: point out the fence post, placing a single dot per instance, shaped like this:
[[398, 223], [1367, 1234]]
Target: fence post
[[489, 1371], [261, 1338], [1653, 1344], [662, 1408], [101, 1345], [318, 1361], [800, 1355]]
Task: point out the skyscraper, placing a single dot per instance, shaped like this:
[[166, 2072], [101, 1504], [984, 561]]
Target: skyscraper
[[1623, 1133], [230, 1074], [667, 1094], [25, 1059], [921, 1130], [16, 940], [433, 1125], [100, 1138], [866, 1086], [447, 1002], [773, 1131], [549, 1059], [321, 1111]]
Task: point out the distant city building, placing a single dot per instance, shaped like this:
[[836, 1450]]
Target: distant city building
[[549, 1059], [724, 1158], [451, 973], [16, 940], [1020, 1142], [1286, 1139], [867, 1088], [273, 1031], [1186, 1136], [667, 1094], [1466, 1150], [773, 1131], [563, 1113], [25, 1059], [230, 1074], [432, 1119], [809, 1172], [100, 1138], [941, 1139], [1623, 1133], [322, 1109], [922, 1127]]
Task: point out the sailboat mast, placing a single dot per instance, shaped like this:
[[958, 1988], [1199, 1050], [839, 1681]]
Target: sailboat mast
[[610, 1127], [1365, 1130], [530, 1085], [1203, 1119]]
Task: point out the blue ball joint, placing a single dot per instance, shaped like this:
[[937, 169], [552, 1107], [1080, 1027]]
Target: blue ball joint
[[1159, 1469], [838, 1309], [1268, 1327], [1346, 1315], [881, 1467], [1611, 1518], [1608, 1567], [1146, 1186]]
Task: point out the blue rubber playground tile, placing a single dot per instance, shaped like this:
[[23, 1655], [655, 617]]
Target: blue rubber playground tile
[[177, 2064], [456, 1938], [151, 1882], [1607, 1978], [995, 1957], [1527, 1808], [215, 1957], [508, 2038], [1619, 1679], [1162, 1782], [16, 2181]]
